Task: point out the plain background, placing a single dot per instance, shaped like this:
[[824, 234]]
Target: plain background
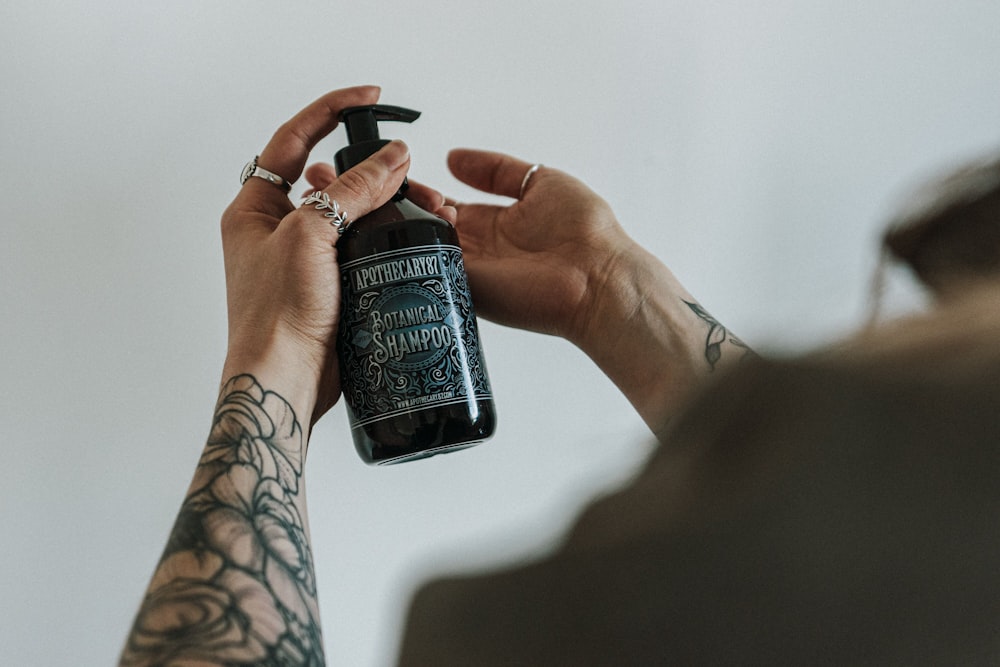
[[758, 148]]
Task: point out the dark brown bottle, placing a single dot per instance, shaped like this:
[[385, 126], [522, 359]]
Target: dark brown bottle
[[412, 370]]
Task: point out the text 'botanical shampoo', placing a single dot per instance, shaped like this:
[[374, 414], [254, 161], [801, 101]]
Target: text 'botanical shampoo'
[[411, 365]]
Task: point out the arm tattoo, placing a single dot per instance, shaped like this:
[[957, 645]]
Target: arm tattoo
[[235, 585], [717, 335]]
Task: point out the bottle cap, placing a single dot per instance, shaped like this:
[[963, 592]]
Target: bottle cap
[[362, 131]]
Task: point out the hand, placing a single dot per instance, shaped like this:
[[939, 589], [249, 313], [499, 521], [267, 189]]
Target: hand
[[557, 261], [282, 279], [540, 263]]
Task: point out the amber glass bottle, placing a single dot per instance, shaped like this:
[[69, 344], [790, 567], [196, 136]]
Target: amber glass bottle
[[412, 368]]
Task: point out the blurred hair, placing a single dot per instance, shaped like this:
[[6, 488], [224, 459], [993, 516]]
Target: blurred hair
[[950, 232]]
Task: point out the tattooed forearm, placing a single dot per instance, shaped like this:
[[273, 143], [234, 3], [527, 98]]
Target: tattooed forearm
[[717, 335], [235, 585]]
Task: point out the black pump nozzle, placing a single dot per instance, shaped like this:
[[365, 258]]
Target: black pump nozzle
[[362, 131]]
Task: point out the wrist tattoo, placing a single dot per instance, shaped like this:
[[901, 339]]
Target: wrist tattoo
[[235, 585], [717, 335]]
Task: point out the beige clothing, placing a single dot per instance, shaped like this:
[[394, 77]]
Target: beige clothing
[[838, 509]]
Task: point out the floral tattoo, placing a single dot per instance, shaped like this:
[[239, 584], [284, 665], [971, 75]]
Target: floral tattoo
[[236, 585], [717, 335]]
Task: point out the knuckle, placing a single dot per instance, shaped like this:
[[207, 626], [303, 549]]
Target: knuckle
[[228, 221], [291, 133], [359, 186]]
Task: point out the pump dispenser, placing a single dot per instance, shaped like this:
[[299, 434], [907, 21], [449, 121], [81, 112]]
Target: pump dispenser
[[412, 370]]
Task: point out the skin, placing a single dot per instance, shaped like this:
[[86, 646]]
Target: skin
[[283, 289], [558, 262], [235, 584]]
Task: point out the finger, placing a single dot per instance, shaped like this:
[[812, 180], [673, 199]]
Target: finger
[[371, 183], [449, 213], [491, 172], [320, 175], [424, 196], [432, 201], [287, 151]]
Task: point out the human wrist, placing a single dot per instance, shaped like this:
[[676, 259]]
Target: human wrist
[[641, 333], [280, 364], [620, 283]]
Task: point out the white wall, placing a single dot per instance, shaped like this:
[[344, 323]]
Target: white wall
[[757, 147]]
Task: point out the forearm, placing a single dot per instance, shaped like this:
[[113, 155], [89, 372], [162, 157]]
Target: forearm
[[652, 338], [236, 583]]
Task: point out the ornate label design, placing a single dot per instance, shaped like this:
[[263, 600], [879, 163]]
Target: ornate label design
[[408, 334]]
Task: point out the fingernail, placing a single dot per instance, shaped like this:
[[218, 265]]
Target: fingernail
[[394, 154]]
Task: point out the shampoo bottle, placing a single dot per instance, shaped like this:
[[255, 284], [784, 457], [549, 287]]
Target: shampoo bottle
[[412, 370]]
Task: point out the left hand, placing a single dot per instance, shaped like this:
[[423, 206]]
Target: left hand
[[282, 278]]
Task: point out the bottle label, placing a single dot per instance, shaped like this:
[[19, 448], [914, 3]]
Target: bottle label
[[408, 333]]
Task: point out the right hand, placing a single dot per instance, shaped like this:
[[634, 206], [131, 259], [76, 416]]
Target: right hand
[[540, 263], [282, 279]]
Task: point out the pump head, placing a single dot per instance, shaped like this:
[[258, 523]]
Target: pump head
[[362, 131]]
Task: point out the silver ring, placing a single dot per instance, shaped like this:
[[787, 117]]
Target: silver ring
[[337, 217], [250, 169], [527, 177]]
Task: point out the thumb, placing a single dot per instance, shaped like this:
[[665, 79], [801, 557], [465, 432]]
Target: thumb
[[371, 183]]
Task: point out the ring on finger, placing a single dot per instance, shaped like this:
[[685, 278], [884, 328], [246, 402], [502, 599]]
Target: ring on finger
[[336, 215], [527, 177], [252, 169]]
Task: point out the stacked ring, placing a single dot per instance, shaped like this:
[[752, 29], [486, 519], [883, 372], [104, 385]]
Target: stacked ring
[[337, 217]]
